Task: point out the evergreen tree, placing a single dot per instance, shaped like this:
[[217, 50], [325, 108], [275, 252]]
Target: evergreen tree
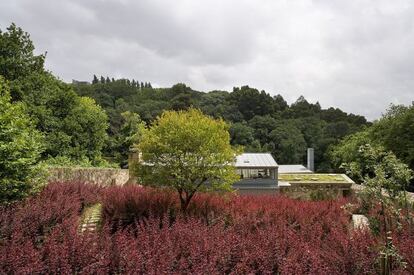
[[108, 80], [102, 79], [95, 80]]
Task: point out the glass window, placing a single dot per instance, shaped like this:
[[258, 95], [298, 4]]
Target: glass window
[[254, 173]]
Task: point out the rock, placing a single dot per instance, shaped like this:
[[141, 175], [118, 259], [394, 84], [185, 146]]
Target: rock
[[360, 221]]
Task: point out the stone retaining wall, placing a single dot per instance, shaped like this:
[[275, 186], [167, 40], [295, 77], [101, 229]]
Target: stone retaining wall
[[99, 176]]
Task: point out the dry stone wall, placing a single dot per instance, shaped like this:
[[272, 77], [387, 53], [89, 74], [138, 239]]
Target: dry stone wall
[[99, 176]]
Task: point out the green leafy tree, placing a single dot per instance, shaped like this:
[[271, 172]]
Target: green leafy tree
[[251, 102], [20, 149], [379, 170], [87, 123], [241, 134], [72, 126], [16, 54], [302, 108], [262, 126], [289, 146], [188, 151], [395, 131], [347, 150], [130, 134], [17, 59]]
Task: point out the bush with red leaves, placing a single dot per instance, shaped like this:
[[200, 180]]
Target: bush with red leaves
[[144, 232]]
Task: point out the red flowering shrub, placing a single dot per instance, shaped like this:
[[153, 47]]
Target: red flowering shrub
[[144, 233]]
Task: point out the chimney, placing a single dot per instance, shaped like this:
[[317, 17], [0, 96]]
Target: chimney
[[311, 160]]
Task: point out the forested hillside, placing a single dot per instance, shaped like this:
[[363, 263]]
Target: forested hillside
[[259, 121], [75, 127]]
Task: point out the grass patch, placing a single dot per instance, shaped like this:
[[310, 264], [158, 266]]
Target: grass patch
[[331, 178]]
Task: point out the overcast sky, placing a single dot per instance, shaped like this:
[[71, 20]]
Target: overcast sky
[[355, 55]]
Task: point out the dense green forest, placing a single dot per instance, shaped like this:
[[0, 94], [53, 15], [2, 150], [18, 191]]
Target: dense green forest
[[96, 123], [259, 122]]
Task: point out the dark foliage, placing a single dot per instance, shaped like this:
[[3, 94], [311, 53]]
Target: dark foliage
[[144, 233], [259, 120]]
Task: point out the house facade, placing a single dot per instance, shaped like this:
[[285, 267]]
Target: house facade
[[258, 173]]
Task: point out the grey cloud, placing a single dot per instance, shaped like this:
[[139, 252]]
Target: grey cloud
[[356, 55]]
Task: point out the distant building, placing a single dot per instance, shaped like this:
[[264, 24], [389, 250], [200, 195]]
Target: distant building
[[77, 82], [258, 173]]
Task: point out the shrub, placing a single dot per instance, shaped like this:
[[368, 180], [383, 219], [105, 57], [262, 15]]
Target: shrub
[[230, 235], [33, 218], [123, 206]]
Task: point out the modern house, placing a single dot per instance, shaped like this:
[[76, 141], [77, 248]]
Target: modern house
[[258, 173]]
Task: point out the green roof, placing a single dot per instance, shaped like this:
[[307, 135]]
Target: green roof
[[331, 178]]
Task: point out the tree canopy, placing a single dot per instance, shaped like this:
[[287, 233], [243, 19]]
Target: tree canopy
[[20, 149], [393, 132], [252, 114], [73, 127], [188, 151]]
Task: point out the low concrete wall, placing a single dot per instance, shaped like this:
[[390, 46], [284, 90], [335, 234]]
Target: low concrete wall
[[99, 176]]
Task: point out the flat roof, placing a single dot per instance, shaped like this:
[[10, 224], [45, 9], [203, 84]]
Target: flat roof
[[294, 168], [255, 160], [315, 178]]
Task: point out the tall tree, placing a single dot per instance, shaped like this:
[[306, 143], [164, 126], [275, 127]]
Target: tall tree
[[241, 134], [87, 123], [395, 131], [188, 151], [20, 149], [289, 144], [130, 135], [251, 102], [16, 54], [50, 102], [95, 79]]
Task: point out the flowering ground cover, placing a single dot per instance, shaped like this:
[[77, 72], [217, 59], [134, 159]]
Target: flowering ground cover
[[143, 231]]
